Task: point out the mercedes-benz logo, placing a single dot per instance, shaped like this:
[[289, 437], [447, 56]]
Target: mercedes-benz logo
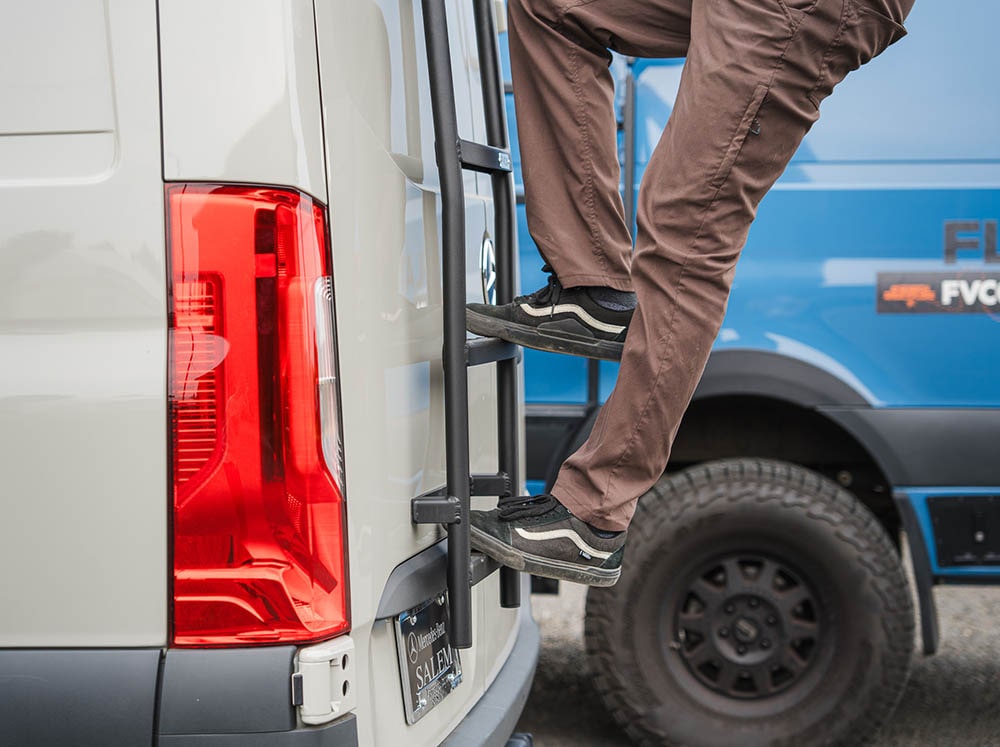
[[411, 647], [488, 267]]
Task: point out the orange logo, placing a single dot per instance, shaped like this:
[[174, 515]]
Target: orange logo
[[909, 293]]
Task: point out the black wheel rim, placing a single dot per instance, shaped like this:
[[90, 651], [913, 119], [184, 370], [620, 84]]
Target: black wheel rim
[[748, 626]]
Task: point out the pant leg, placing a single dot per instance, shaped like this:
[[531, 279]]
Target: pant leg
[[755, 74], [564, 98]]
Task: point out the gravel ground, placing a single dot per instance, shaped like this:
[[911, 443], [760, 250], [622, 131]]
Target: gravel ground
[[953, 698]]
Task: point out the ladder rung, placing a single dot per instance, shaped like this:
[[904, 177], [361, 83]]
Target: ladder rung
[[484, 158], [482, 350]]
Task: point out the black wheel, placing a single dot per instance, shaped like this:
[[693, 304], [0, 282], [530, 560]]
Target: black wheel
[[759, 604]]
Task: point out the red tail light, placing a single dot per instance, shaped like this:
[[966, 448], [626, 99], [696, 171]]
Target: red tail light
[[258, 526]]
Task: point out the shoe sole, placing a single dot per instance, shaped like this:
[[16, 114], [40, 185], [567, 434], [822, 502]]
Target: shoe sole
[[537, 338], [539, 566]]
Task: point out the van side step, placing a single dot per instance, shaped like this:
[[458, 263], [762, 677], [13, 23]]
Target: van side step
[[454, 154]]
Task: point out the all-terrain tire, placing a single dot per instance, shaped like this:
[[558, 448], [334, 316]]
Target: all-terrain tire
[[759, 604]]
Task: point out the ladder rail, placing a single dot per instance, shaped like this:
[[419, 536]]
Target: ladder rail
[[494, 159], [506, 261], [454, 295]]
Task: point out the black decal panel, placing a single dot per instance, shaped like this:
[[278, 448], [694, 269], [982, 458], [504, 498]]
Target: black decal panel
[[972, 291]]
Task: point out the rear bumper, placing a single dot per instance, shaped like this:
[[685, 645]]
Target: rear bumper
[[207, 698], [491, 721], [343, 733]]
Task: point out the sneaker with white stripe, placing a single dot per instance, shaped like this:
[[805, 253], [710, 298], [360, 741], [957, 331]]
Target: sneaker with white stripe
[[538, 535], [561, 320]]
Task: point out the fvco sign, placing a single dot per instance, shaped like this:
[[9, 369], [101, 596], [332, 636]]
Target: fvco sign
[[969, 291]]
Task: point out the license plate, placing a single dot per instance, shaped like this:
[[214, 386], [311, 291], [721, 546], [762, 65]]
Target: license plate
[[429, 667]]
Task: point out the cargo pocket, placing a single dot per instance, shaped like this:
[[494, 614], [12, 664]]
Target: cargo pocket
[[864, 34], [748, 125]]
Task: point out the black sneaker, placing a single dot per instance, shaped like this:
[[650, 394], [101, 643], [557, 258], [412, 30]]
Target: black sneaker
[[539, 535], [561, 320]]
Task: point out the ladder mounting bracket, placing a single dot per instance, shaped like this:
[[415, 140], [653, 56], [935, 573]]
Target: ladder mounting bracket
[[498, 485], [436, 509]]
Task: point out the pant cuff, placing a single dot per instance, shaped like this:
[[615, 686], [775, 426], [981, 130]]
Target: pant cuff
[[622, 283]]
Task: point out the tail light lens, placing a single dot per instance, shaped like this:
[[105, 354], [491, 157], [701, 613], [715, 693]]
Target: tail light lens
[[258, 524]]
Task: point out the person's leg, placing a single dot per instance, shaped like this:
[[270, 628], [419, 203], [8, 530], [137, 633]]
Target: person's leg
[[564, 99], [755, 75]]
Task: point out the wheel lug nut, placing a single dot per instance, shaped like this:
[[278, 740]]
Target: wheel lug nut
[[765, 643], [754, 603], [772, 620], [730, 609], [741, 649], [723, 632]]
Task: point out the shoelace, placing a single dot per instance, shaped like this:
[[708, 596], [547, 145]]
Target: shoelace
[[550, 293], [524, 507]]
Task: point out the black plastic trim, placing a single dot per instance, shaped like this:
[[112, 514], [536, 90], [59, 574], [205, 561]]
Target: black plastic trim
[[913, 446], [222, 691], [421, 577], [927, 447], [342, 733], [930, 629], [80, 697], [493, 719], [951, 579]]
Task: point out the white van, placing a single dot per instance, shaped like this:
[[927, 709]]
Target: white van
[[221, 383]]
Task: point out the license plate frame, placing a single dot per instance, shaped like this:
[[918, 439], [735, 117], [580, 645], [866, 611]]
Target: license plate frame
[[429, 667]]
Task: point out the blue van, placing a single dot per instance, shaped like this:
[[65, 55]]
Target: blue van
[[850, 410]]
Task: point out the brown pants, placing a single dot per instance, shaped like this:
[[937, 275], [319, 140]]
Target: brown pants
[[755, 74]]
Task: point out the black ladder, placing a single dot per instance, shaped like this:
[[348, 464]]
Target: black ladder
[[493, 158]]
